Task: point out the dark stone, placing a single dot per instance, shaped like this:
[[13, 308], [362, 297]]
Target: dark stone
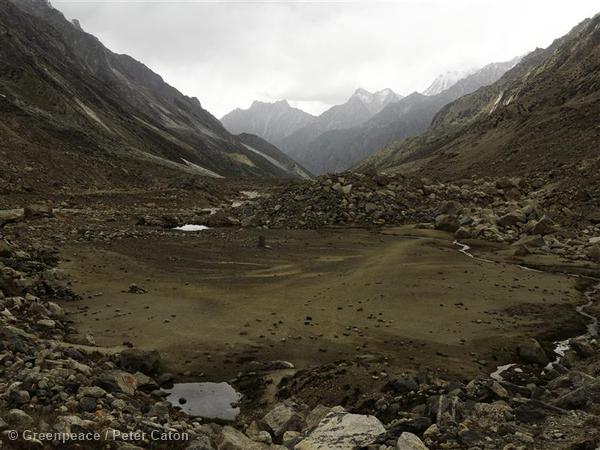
[[137, 360], [536, 411]]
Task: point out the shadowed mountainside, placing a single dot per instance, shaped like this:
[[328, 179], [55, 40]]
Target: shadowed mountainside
[[74, 113]]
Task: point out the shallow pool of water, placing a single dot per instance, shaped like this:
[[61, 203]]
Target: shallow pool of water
[[207, 400]]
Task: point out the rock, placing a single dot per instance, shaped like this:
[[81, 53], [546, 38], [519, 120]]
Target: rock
[[580, 397], [46, 323], [10, 216], [536, 411], [138, 360], [543, 226], [451, 208], [530, 241], [283, 417], [404, 385], [117, 381], [531, 352], [200, 443], [73, 424], [511, 219], [317, 414], [447, 222], [340, 430], [582, 347], [463, 233], [408, 441], [87, 404], [135, 289], [18, 418], [232, 439], [18, 396], [92, 391], [290, 437], [37, 211], [6, 250], [594, 253]]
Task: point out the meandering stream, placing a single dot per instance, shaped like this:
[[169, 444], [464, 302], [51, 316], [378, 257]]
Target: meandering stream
[[560, 347]]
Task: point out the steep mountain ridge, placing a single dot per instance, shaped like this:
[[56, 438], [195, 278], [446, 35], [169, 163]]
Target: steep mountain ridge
[[76, 113], [339, 150], [541, 117], [271, 121]]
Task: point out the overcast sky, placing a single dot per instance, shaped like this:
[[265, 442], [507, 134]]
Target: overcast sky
[[315, 54]]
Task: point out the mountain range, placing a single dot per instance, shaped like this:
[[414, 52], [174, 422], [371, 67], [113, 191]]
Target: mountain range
[[75, 112], [540, 117], [278, 122], [339, 149]]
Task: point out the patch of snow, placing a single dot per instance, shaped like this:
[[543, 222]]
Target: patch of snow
[[204, 170], [191, 227], [276, 163]]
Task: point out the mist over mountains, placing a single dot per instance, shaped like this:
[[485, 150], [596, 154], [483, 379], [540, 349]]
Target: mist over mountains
[[345, 134]]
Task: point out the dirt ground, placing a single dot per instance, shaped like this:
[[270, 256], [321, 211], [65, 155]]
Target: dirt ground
[[215, 302]]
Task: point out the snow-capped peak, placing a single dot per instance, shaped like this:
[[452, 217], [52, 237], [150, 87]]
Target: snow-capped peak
[[377, 100], [446, 80]]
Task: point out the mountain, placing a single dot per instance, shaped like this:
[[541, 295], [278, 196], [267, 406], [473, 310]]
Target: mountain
[[271, 121], [540, 118], [359, 108], [446, 80], [338, 150], [73, 112], [291, 128], [272, 154]]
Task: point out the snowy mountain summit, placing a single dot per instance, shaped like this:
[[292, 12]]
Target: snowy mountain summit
[[446, 80], [375, 101]]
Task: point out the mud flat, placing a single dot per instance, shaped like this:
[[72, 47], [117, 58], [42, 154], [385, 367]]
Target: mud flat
[[214, 302]]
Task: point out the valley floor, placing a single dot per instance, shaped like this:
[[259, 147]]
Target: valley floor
[[351, 308], [215, 302]]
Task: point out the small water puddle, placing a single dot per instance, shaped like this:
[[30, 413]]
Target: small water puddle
[[206, 400]]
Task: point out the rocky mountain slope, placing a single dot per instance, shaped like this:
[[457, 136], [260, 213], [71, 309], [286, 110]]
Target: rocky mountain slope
[[273, 155], [338, 150], [271, 121], [540, 118], [74, 113]]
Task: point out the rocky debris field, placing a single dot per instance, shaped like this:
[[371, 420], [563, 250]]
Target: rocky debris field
[[534, 216], [54, 379]]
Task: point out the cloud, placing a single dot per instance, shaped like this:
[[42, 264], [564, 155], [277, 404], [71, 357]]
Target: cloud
[[315, 54]]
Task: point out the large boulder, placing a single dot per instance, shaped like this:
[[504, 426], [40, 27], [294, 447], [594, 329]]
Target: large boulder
[[137, 360], [409, 441], [232, 439], [531, 352], [340, 430], [283, 417]]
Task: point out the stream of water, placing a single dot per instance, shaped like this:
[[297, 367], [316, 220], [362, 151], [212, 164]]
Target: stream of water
[[560, 347]]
